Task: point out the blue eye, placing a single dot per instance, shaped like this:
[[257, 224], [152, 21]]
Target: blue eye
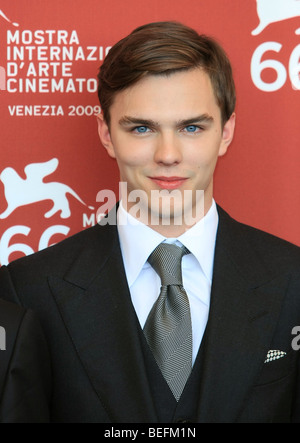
[[191, 128], [141, 129]]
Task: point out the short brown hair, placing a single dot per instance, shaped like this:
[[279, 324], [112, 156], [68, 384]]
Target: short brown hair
[[164, 48]]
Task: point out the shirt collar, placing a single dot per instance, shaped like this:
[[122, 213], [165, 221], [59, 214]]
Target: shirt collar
[[200, 240], [138, 240]]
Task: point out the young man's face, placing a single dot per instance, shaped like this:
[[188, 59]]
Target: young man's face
[[166, 134]]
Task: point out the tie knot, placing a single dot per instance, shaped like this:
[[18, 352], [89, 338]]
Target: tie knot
[[166, 261]]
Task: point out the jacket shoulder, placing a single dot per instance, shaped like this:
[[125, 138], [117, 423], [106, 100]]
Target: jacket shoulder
[[267, 248], [57, 259]]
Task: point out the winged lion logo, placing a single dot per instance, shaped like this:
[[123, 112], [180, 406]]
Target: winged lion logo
[[21, 192], [7, 19], [272, 11]]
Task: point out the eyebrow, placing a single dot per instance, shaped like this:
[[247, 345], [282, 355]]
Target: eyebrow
[[202, 119]]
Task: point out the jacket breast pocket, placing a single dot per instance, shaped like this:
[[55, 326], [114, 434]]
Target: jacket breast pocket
[[277, 369], [271, 399]]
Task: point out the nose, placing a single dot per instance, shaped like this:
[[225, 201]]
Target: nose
[[168, 151]]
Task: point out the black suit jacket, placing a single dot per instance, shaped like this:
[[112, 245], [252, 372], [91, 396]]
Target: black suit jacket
[[25, 376], [80, 292]]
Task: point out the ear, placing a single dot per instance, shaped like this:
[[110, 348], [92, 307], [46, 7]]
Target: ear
[[227, 135], [104, 135]]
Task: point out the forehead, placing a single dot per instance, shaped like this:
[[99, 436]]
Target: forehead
[[174, 96]]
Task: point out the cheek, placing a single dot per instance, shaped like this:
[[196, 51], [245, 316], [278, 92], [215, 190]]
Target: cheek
[[205, 164], [133, 157], [210, 154], [130, 164], [203, 160], [128, 150], [130, 161]]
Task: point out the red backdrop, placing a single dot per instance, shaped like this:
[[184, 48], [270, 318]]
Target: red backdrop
[[50, 53]]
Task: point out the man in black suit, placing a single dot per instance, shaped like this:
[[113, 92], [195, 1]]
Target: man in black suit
[[168, 100]]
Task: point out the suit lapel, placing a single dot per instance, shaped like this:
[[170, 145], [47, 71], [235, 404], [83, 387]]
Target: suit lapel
[[96, 307], [245, 305]]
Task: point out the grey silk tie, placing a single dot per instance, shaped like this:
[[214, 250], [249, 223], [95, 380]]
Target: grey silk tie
[[168, 328]]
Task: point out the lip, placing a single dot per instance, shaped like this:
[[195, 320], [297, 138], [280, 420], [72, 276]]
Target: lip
[[168, 182]]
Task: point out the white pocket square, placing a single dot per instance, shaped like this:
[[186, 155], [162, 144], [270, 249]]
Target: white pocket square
[[274, 355]]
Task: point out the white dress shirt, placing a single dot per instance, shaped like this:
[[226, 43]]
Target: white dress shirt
[[138, 241]]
